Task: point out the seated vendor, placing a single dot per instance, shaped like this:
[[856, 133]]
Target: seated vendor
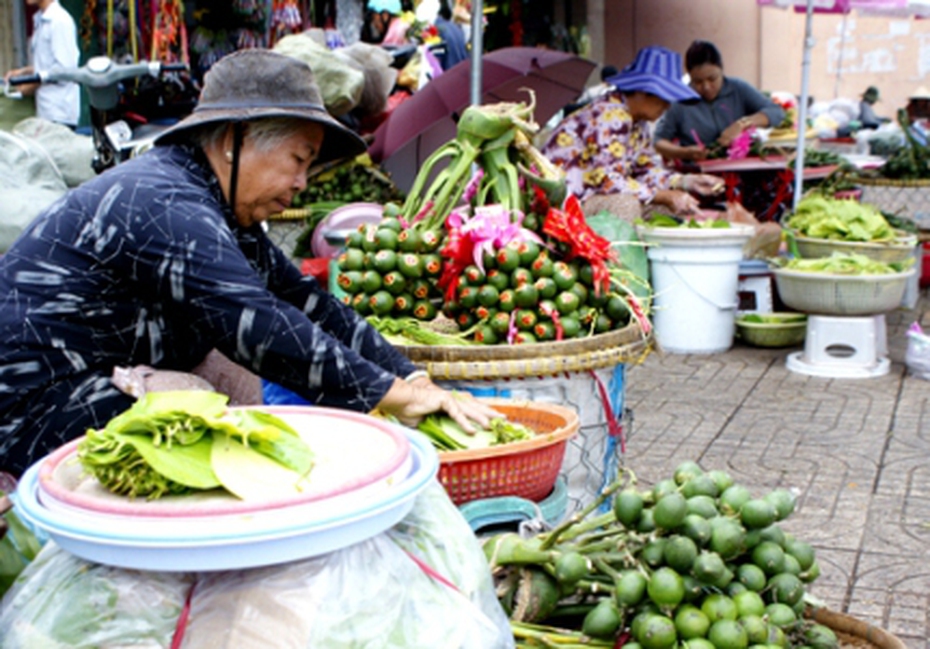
[[727, 106], [163, 259], [605, 147]]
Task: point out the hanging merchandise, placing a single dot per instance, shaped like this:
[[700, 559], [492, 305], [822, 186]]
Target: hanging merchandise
[[89, 25], [285, 19], [169, 33]]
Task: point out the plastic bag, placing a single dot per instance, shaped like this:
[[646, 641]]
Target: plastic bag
[[631, 251], [423, 583], [341, 83], [18, 547], [30, 181], [73, 153], [375, 63], [917, 356]]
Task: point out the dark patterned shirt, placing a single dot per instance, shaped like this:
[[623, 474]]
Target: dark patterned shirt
[[145, 264]]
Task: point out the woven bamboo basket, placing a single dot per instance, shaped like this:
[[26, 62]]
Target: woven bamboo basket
[[892, 182], [491, 362], [853, 633]]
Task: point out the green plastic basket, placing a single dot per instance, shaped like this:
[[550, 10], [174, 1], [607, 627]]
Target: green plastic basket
[[789, 330]]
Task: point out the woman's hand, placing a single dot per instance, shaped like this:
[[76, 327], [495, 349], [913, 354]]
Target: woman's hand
[[734, 130], [410, 402], [703, 184], [694, 152], [681, 203]]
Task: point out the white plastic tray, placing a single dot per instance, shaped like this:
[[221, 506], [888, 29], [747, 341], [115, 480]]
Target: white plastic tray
[[184, 546]]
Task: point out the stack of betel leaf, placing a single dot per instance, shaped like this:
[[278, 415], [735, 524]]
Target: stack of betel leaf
[[696, 561], [180, 442], [822, 217], [500, 251]]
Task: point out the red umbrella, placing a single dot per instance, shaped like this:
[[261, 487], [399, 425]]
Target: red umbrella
[[426, 121]]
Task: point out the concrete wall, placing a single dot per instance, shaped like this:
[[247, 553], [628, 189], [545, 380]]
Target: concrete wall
[[6, 36], [764, 45]]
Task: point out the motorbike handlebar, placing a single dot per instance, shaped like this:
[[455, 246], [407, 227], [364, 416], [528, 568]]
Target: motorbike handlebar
[[23, 79], [101, 76]]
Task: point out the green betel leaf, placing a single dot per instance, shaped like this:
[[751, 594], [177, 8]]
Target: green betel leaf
[[271, 436], [249, 474], [187, 465]]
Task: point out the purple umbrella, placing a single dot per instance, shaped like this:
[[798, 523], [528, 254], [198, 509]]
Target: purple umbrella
[[426, 121]]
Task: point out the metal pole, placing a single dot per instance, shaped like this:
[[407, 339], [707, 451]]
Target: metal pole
[[20, 51], [802, 109], [477, 45], [839, 60]]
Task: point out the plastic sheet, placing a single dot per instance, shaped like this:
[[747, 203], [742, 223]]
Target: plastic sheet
[[423, 583]]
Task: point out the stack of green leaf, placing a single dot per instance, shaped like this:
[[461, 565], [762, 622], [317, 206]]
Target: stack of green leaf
[[179, 442], [821, 217]]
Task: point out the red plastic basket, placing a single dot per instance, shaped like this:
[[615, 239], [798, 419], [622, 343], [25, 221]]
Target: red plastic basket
[[527, 469]]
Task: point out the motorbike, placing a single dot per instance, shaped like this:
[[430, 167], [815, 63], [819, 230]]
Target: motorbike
[[114, 138]]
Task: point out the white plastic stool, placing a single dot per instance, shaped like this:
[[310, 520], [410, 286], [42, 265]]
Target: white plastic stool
[[843, 347]]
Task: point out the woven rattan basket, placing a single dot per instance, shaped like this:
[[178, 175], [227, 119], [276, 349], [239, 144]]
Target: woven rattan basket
[[898, 250], [892, 182], [853, 633], [491, 362], [527, 469], [824, 294]]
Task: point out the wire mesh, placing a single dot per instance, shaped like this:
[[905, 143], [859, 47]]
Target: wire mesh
[[593, 457]]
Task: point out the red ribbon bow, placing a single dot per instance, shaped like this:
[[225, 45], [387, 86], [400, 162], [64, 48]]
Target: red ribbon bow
[[569, 227]]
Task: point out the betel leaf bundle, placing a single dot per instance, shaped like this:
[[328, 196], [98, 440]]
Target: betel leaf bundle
[[179, 442], [820, 217]]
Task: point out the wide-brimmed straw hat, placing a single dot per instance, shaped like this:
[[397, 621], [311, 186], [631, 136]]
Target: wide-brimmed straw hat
[[256, 83], [655, 70], [921, 93]]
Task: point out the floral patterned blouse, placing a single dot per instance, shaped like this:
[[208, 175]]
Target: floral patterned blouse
[[604, 151]]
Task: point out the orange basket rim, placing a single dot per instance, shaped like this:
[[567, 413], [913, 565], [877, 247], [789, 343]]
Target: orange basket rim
[[542, 440]]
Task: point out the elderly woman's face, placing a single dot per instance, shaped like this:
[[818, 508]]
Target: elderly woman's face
[[268, 180], [707, 80]]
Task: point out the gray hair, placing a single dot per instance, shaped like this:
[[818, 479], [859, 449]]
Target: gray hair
[[265, 134]]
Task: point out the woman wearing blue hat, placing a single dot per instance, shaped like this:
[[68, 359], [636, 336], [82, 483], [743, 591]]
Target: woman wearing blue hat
[[606, 146], [727, 107]]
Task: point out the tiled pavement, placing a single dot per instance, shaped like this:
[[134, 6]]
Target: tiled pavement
[[856, 450]]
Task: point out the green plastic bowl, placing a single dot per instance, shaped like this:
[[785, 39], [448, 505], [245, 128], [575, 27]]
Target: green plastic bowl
[[778, 330]]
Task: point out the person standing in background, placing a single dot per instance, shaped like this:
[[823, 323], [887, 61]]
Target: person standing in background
[[54, 44], [453, 37]]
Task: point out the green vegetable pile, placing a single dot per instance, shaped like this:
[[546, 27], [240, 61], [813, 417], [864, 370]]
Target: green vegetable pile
[[519, 283], [388, 270], [660, 220], [351, 182], [820, 217], [447, 435], [846, 264], [185, 441], [696, 561]]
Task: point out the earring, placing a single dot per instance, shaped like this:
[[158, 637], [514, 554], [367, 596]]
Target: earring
[[229, 156]]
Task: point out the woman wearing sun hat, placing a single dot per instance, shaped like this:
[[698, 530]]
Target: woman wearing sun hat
[[606, 146], [163, 258]]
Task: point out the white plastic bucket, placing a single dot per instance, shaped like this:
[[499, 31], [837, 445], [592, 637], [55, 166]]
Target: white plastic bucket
[[695, 278]]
